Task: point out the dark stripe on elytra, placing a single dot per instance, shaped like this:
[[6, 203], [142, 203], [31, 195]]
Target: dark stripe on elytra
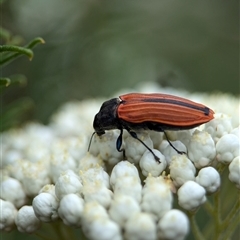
[[205, 110]]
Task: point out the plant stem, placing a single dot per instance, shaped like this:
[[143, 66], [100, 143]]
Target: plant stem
[[232, 220], [195, 230]]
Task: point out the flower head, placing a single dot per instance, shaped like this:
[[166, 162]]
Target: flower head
[[111, 195]]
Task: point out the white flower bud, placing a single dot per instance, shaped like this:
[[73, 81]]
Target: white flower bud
[[107, 147], [49, 188], [236, 131], [36, 151], [156, 137], [15, 139], [174, 225], [97, 175], [184, 137], [9, 157], [76, 146], [96, 186], [123, 169], [155, 191], [135, 149], [68, 183], [60, 162], [219, 126], [97, 192], [35, 176], [70, 210], [41, 133], [89, 161], [181, 170], [128, 186], [102, 229], [7, 215], [209, 178], [168, 151], [26, 220], [12, 191], [191, 195], [73, 118], [201, 149], [149, 165], [234, 171], [97, 225], [15, 169], [45, 206], [140, 226], [228, 148], [122, 207], [91, 212]]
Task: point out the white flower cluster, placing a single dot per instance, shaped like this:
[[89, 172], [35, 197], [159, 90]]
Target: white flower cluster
[[47, 173]]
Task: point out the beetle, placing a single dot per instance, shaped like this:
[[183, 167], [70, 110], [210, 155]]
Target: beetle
[[149, 111]]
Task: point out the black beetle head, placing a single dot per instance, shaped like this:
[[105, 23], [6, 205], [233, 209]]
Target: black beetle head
[[106, 118]]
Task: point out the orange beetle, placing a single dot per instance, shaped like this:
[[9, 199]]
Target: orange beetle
[[155, 111]]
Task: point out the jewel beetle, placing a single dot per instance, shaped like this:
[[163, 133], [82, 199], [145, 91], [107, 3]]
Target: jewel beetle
[[154, 111]]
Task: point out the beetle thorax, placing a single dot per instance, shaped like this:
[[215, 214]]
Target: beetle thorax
[[106, 118]]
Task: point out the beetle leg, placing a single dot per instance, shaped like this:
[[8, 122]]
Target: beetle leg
[[134, 135], [119, 141], [119, 144], [179, 152]]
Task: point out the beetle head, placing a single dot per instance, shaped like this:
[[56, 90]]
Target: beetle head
[[106, 118]]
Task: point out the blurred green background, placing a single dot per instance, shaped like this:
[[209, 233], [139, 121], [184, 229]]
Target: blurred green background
[[94, 48]]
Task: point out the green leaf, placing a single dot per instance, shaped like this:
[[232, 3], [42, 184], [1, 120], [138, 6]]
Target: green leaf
[[5, 82], [18, 51], [34, 42], [16, 79]]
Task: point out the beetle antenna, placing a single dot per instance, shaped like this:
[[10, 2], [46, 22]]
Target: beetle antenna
[[134, 135], [179, 152], [90, 141]]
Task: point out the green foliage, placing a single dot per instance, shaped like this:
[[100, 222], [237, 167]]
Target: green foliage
[[13, 113]]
